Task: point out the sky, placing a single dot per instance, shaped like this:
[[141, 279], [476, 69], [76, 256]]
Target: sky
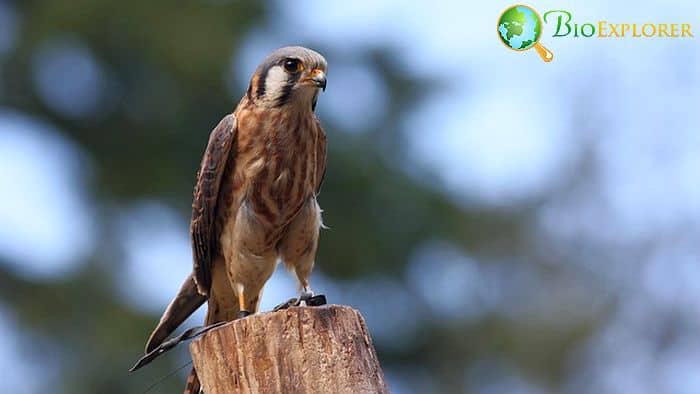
[[505, 129]]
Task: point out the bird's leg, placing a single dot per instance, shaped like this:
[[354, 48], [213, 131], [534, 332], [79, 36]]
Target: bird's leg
[[308, 298], [297, 251], [304, 297], [242, 305], [307, 295]]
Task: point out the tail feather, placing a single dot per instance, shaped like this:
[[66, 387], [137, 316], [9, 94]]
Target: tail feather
[[181, 307], [192, 386], [218, 309]]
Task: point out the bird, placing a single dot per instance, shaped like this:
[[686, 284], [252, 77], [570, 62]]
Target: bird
[[255, 197]]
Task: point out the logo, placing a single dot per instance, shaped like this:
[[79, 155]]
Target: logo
[[520, 28]]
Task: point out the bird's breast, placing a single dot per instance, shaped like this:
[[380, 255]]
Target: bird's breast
[[276, 153]]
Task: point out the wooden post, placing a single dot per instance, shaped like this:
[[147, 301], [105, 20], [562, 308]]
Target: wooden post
[[323, 349]]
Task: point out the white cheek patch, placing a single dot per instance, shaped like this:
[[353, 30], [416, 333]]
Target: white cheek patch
[[275, 81]]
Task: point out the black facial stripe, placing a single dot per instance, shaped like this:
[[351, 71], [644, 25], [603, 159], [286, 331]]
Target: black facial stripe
[[260, 89], [287, 90]]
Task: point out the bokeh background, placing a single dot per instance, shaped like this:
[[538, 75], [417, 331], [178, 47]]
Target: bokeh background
[[504, 225]]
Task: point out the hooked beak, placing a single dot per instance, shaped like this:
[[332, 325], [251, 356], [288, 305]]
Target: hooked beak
[[318, 77]]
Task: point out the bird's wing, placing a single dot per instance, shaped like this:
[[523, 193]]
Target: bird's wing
[[320, 156], [206, 193]]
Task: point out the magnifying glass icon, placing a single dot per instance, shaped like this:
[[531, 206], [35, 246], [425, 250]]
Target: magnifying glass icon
[[520, 28]]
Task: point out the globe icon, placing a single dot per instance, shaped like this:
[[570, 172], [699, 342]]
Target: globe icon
[[519, 27]]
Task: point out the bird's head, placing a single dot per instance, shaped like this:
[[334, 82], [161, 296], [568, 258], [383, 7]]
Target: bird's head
[[289, 76]]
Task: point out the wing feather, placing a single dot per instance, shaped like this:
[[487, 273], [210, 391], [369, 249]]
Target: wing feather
[[205, 242], [320, 156]]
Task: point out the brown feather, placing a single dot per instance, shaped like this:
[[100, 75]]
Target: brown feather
[[181, 307], [192, 386], [205, 243], [321, 152]]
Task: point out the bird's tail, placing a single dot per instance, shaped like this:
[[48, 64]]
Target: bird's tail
[[181, 307], [222, 305], [192, 386]]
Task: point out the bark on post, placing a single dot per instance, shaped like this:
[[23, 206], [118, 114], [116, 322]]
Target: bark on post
[[298, 350]]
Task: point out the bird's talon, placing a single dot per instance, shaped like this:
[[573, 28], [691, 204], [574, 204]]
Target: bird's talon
[[317, 300], [243, 314], [289, 303], [305, 296]]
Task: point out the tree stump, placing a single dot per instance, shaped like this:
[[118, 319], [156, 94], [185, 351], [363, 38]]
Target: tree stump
[[298, 350]]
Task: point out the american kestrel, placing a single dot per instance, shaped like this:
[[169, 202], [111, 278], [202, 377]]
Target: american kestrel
[[255, 196]]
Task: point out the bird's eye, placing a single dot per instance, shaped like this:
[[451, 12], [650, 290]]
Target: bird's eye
[[292, 65]]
